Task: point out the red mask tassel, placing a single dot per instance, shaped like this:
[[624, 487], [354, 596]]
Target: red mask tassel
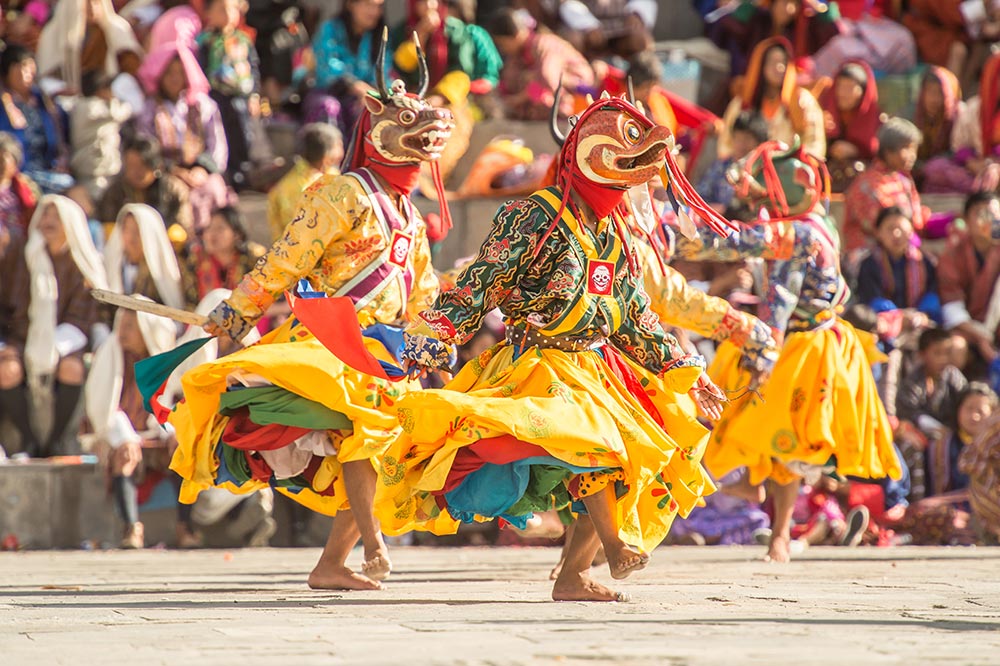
[[442, 198]]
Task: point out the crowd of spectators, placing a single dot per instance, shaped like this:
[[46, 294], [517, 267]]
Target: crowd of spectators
[[130, 130]]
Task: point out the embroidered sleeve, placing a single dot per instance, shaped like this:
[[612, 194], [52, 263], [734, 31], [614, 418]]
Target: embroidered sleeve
[[773, 240], [641, 337], [491, 277], [321, 219], [679, 304]]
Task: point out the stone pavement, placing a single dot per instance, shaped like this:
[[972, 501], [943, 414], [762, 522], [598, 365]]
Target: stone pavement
[[474, 606]]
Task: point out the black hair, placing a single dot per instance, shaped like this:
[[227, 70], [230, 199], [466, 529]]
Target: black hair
[[861, 317], [318, 139], [12, 56], [644, 68], [758, 95], [752, 123], [931, 337], [887, 212], [505, 22], [354, 41], [974, 389], [233, 217], [896, 134], [148, 149], [94, 81], [976, 199]]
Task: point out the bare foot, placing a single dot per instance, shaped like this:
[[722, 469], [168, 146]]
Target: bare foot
[[340, 578], [600, 558], [623, 561], [378, 566], [556, 570], [584, 588], [743, 490], [778, 551]]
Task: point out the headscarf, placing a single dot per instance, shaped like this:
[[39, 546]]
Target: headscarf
[[61, 41], [937, 131], [157, 252], [156, 63], [989, 98], [789, 95], [40, 353], [859, 125], [437, 46], [179, 24], [103, 389]]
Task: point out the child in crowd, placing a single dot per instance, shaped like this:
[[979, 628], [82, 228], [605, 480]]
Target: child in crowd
[[231, 64], [321, 152], [95, 134], [926, 402]]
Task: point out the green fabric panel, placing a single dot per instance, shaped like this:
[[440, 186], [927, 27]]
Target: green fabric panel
[[273, 404]]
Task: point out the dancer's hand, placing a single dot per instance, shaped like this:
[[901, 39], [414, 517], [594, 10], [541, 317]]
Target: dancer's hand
[[709, 398]]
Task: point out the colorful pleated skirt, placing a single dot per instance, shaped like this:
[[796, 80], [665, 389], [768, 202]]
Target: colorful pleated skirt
[[284, 413], [515, 434], [820, 406]]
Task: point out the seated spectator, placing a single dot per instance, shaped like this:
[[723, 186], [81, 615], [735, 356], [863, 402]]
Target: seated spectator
[[770, 89], [927, 399], [95, 132], [942, 517], [230, 61], [86, 36], [868, 32], [18, 195], [807, 24], [13, 287], [34, 120], [980, 461], [221, 257], [78, 195], [937, 107], [144, 179], [606, 28], [461, 59], [749, 131], [886, 183], [23, 28], [139, 258], [732, 516], [852, 117], [345, 48], [52, 329], [967, 277], [944, 29], [321, 153], [534, 64], [897, 275], [975, 139], [185, 121]]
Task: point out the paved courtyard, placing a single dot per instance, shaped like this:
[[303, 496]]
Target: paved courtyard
[[476, 606]]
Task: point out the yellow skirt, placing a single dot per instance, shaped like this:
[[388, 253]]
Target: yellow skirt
[[572, 409], [291, 358], [820, 401]]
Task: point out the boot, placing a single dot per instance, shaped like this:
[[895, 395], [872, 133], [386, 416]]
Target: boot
[[67, 415], [14, 403]]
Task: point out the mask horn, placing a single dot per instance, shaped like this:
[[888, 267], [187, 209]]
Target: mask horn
[[383, 91], [425, 76], [631, 92], [557, 134]]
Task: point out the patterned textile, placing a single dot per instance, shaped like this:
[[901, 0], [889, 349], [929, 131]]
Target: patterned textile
[[230, 62], [335, 234], [877, 188], [283, 199]]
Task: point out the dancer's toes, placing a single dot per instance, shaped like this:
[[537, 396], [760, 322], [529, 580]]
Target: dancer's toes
[[556, 570], [584, 588], [340, 578], [377, 567], [779, 550], [624, 561]]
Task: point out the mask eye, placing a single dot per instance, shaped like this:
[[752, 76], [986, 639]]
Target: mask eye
[[406, 116], [632, 132]]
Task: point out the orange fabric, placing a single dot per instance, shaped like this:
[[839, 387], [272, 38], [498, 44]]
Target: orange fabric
[[989, 96]]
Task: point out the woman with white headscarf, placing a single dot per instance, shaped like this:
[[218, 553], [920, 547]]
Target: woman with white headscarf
[[140, 259], [58, 316], [121, 422], [86, 35]]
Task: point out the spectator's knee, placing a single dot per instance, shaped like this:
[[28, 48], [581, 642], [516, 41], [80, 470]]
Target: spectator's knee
[[11, 369], [70, 371]]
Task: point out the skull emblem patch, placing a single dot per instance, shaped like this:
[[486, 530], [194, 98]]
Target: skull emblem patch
[[599, 278]]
